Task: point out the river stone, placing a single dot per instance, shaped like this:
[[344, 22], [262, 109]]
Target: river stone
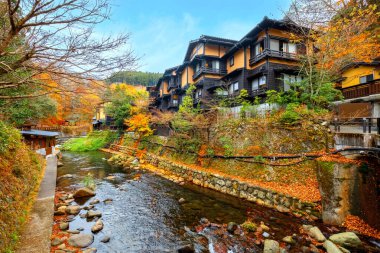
[[81, 240], [97, 227], [61, 246], [181, 200], [271, 246], [64, 226], [90, 250], [62, 209], [331, 247], [75, 231], [56, 241], [94, 202], [105, 239], [92, 214], [288, 239], [346, 239], [73, 209], [317, 234], [231, 227], [83, 192]]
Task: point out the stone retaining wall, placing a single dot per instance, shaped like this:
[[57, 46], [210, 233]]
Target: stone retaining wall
[[228, 185]]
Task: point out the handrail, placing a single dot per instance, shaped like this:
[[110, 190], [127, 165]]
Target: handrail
[[366, 123], [206, 70], [273, 53]]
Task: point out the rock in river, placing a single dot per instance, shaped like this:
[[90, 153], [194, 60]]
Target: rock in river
[[90, 250], [271, 246], [73, 209], [64, 226], [331, 247], [317, 234], [83, 192], [181, 200], [92, 214], [231, 227], [346, 239], [81, 240], [97, 227], [105, 239]]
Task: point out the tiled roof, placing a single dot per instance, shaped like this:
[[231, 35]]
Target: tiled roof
[[39, 133]]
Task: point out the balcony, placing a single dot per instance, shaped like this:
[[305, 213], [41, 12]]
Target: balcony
[[273, 53], [205, 70], [172, 85], [257, 92], [362, 90]]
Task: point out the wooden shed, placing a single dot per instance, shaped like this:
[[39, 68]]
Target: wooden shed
[[41, 141]]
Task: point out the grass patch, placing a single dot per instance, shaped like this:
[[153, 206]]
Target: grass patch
[[93, 141]]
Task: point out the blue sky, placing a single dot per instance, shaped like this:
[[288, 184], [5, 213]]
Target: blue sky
[[161, 29]]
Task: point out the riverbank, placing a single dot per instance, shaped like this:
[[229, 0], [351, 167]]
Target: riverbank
[[216, 180], [254, 233], [21, 173], [152, 214]]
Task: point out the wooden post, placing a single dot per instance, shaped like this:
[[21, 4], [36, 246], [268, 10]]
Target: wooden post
[[364, 125], [378, 125], [369, 124]]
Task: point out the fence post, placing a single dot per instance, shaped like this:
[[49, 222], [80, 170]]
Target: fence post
[[369, 124], [364, 125]]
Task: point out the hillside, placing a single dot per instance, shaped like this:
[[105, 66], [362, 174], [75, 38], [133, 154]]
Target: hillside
[[135, 78]]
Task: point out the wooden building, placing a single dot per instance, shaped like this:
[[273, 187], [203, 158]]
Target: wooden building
[[41, 141], [264, 59], [360, 86]]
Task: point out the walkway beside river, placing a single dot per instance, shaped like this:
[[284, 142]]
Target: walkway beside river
[[36, 236]]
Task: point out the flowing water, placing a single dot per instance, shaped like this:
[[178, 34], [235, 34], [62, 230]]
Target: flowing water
[[145, 215]]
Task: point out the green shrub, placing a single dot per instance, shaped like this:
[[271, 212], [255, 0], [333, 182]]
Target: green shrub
[[93, 141], [10, 137], [249, 226], [227, 145]]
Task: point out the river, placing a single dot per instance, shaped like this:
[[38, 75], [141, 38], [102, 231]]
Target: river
[[145, 214]]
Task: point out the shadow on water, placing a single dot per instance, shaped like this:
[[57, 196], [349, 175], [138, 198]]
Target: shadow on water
[[145, 215]]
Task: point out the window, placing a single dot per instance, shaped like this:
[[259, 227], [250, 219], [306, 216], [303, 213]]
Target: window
[[289, 79], [233, 87], [221, 92], [175, 102], [198, 94], [259, 48], [367, 78], [215, 65], [274, 45], [232, 61], [197, 67], [259, 82]]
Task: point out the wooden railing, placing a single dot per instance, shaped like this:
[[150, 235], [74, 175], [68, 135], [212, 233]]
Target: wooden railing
[[362, 90], [206, 70], [363, 125], [272, 53], [257, 92]]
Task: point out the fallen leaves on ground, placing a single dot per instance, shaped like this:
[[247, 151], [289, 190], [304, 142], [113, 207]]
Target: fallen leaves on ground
[[355, 223]]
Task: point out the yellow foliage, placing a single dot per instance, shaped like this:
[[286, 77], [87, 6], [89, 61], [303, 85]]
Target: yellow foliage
[[139, 124]]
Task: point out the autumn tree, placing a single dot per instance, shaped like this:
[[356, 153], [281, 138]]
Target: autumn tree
[[57, 38], [125, 100], [139, 124]]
